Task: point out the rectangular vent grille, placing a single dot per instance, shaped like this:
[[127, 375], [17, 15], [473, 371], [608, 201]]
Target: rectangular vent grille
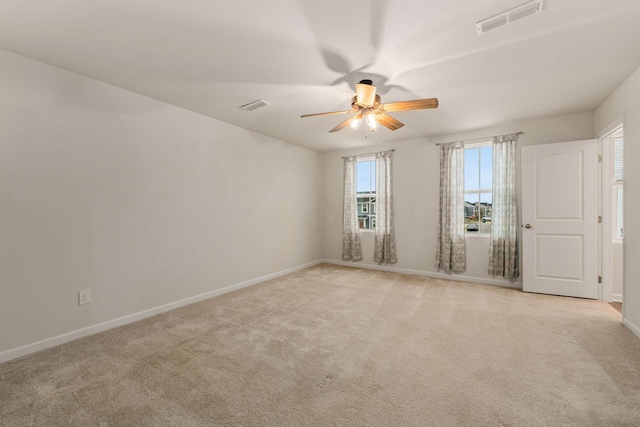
[[520, 12], [524, 11], [493, 24], [254, 105]]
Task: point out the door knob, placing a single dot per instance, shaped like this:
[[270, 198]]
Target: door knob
[[527, 226]]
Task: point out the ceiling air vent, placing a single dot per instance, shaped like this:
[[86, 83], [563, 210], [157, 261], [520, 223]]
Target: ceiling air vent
[[254, 105], [520, 12]]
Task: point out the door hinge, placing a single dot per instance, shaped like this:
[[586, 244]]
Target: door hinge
[[599, 279], [599, 219], [599, 158]]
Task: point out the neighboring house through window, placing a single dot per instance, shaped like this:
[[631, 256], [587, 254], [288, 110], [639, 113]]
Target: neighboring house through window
[[366, 193], [478, 171]]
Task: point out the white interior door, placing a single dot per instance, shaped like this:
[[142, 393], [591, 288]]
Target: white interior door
[[560, 219]]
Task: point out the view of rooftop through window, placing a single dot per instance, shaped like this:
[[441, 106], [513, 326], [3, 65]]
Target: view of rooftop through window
[[366, 189], [477, 185]]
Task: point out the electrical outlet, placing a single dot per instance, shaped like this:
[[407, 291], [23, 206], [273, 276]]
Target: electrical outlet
[[84, 297]]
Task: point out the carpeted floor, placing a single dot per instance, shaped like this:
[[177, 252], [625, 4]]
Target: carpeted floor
[[333, 346]]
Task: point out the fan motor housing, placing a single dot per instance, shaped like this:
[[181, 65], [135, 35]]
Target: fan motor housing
[[356, 106], [366, 93]]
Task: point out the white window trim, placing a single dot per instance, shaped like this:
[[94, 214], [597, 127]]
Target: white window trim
[[614, 192], [476, 234], [480, 144], [366, 158]]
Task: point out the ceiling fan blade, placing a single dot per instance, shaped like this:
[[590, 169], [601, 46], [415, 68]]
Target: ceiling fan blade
[[327, 114], [342, 125], [388, 121], [417, 104]]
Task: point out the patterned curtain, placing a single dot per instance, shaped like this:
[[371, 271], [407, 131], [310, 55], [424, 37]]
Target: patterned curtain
[[451, 247], [503, 246], [350, 233], [385, 235]]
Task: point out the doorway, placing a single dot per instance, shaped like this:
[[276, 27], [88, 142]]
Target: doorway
[[612, 143]]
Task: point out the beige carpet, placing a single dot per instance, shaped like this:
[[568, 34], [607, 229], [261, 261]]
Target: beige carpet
[[342, 346]]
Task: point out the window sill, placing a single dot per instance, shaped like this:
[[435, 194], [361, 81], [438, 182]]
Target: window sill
[[366, 230], [474, 235]]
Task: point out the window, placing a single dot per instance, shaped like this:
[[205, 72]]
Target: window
[[618, 150], [366, 193], [619, 231], [478, 159]]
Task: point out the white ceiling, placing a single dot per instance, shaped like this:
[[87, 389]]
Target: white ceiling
[[305, 57]]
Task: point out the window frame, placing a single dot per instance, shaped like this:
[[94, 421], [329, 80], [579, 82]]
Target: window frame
[[479, 191], [369, 216], [617, 178], [618, 218]]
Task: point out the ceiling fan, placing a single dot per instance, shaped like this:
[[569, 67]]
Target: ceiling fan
[[366, 104]]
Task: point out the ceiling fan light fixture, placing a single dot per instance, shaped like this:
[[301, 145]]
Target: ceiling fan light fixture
[[355, 122], [372, 120]]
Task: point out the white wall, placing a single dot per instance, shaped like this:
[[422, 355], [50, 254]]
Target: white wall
[[416, 182], [142, 202], [625, 102]]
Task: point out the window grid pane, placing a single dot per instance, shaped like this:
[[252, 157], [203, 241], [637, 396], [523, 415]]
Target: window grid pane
[[618, 151], [478, 182], [471, 169], [366, 193]]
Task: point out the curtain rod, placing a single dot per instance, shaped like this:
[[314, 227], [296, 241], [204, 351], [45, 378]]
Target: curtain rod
[[474, 139], [368, 154]]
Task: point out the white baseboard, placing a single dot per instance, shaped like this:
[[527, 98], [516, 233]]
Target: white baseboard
[[616, 297], [110, 324], [633, 328], [457, 277]]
